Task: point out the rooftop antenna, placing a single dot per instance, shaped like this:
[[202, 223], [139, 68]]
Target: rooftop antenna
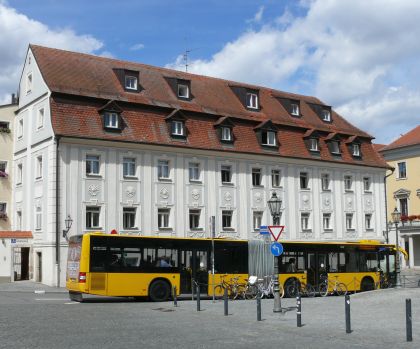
[[186, 59]]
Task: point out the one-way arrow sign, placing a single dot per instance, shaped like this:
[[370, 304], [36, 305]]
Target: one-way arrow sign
[[276, 231]]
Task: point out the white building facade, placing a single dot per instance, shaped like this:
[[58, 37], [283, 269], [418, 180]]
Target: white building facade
[[88, 156]]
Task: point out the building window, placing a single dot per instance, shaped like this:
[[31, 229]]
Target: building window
[[29, 83], [256, 177], [38, 218], [304, 180], [38, 167], [92, 217], [194, 171], [366, 183], [195, 219], [3, 169], [20, 129], [368, 221], [4, 127], [40, 118], [326, 221], [19, 174], [304, 221], [130, 82], [349, 221], [404, 207], [335, 147], [163, 217], [268, 138], [92, 164], [18, 220], [356, 149], [129, 167], [326, 115], [227, 220], [177, 128], [163, 169], [257, 220], [294, 109], [226, 134], [275, 178], [183, 91], [226, 171], [111, 120], [252, 100], [348, 183], [313, 144], [3, 207], [129, 218], [402, 170], [325, 181]]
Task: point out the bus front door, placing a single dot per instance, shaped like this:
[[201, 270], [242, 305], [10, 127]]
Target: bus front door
[[317, 267], [194, 268]]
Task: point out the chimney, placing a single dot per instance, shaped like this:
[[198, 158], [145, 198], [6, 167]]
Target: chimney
[[14, 99]]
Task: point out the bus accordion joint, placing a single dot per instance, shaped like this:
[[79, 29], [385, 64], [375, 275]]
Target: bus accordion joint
[[82, 277]]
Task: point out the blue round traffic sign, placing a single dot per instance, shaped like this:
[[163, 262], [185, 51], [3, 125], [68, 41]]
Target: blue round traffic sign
[[276, 248]]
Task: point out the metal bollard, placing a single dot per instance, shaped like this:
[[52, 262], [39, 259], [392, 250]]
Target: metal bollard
[[409, 324], [174, 296], [225, 300], [258, 307], [348, 324], [299, 311], [198, 297]]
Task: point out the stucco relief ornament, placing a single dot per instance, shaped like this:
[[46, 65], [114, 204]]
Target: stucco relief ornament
[[349, 202], [305, 199], [130, 191], [327, 202], [258, 197], [195, 194], [93, 190], [368, 202], [228, 196], [164, 193]]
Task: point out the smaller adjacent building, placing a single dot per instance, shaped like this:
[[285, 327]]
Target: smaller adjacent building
[[403, 192]]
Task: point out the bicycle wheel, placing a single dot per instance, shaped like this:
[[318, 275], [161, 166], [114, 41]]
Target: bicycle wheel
[[323, 289], [309, 290], [238, 291], [281, 291], [251, 292], [219, 292], [292, 290], [341, 289]]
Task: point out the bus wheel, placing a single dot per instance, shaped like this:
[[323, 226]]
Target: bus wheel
[[367, 284], [159, 291], [291, 288], [76, 296]]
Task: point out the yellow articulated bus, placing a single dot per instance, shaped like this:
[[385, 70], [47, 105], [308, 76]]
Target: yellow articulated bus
[[135, 266]]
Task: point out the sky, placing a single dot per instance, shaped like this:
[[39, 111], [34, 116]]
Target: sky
[[361, 57]]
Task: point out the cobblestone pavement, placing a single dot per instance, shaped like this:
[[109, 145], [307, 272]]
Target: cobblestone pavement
[[37, 316]]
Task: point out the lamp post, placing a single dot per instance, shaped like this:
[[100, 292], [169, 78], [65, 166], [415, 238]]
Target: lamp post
[[274, 204], [396, 217], [68, 221]]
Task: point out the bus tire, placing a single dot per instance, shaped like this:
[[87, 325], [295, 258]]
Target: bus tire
[[76, 296], [291, 288], [159, 291], [367, 284]]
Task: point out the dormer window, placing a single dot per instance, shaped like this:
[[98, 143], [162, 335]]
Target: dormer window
[[111, 120], [268, 138], [294, 109], [177, 128], [313, 144], [326, 115], [335, 147], [356, 149], [29, 83], [183, 91], [131, 82], [252, 100], [226, 134]]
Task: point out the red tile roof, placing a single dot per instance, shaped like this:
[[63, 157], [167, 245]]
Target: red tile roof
[[15, 234], [410, 138], [81, 75]]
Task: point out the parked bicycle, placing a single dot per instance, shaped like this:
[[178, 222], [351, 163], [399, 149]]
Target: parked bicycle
[[295, 287], [384, 281], [328, 286], [263, 287], [233, 287]]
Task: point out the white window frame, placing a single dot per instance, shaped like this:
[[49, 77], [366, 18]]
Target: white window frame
[[257, 177], [270, 138], [183, 91], [163, 169], [368, 221], [129, 167], [111, 119], [38, 173], [194, 219], [257, 219], [40, 118], [367, 184], [19, 174], [252, 100], [325, 182], [20, 129], [29, 83], [326, 115], [129, 85], [313, 144], [3, 162], [38, 218], [294, 109], [177, 128], [226, 134], [194, 171], [349, 221], [356, 149], [399, 172], [335, 147], [164, 218], [326, 221], [89, 158], [348, 183], [275, 178], [225, 168], [129, 211], [19, 220], [304, 174], [227, 213], [305, 221], [95, 213]]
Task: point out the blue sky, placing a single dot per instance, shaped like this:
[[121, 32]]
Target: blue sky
[[358, 56]]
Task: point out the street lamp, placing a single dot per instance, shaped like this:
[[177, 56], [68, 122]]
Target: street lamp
[[68, 221], [274, 204], [396, 217]]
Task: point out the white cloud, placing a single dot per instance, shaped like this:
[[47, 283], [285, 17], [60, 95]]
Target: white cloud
[[18, 31], [258, 16], [349, 53], [137, 47]]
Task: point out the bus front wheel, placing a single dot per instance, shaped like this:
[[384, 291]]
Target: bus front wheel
[[159, 291], [367, 285]]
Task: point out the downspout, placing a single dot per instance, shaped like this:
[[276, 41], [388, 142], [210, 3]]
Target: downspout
[[57, 211]]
